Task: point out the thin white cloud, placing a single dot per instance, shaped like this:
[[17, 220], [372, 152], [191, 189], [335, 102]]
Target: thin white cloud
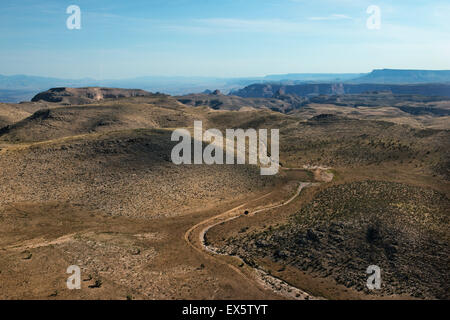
[[334, 16], [252, 25]]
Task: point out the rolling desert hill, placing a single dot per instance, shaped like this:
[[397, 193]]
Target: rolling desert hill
[[432, 115], [401, 228], [90, 181], [11, 114], [156, 111], [359, 134], [126, 172], [218, 101]]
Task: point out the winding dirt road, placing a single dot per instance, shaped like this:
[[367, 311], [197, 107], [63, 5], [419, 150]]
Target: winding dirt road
[[195, 237]]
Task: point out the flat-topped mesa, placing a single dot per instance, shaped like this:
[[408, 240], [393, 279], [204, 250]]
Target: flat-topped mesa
[[87, 95]]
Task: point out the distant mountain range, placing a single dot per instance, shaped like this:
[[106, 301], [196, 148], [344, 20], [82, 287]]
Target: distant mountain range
[[392, 76], [23, 87], [313, 77], [381, 76], [314, 89]]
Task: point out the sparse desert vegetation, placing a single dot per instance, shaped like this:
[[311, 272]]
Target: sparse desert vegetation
[[88, 180], [347, 227]]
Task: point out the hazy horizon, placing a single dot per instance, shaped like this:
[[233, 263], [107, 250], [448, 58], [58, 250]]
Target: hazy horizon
[[215, 77]]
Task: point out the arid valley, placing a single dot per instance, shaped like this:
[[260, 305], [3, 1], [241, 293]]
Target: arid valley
[[86, 179]]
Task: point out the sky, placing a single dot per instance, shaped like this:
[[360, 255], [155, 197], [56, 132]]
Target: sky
[[220, 38]]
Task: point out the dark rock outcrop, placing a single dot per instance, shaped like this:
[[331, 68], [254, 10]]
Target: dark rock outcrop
[[86, 95]]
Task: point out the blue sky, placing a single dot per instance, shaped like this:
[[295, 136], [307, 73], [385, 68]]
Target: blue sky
[[222, 38]]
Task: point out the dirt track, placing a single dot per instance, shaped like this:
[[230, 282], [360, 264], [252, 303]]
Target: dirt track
[[173, 263], [195, 237]]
